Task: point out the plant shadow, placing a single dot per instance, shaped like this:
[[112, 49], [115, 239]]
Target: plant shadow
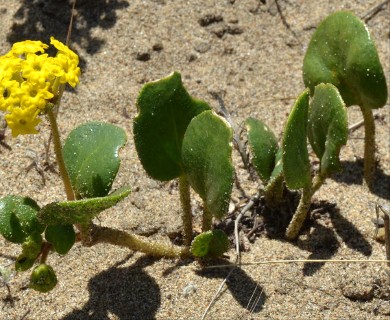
[[323, 243], [322, 227], [128, 293], [40, 19], [243, 288], [353, 174]]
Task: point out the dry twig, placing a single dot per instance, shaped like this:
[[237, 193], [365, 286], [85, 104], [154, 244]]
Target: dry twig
[[374, 11]]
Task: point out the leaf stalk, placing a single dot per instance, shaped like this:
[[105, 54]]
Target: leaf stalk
[[137, 243], [185, 200], [300, 214], [369, 145], [59, 155]]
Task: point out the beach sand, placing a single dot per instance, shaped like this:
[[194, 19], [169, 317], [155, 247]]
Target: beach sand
[[251, 54]]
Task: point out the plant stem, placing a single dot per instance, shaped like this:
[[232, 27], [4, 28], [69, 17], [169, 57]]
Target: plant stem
[[386, 220], [207, 218], [369, 145], [137, 243], [46, 247], [273, 192], [185, 199], [318, 181], [300, 214], [59, 156]]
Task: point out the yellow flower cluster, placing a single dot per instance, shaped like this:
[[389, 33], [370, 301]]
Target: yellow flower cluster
[[30, 79]]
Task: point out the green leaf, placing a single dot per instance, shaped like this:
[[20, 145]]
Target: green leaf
[[31, 248], [91, 158], [207, 149], [79, 211], [32, 245], [273, 191], [278, 169], [62, 237], [165, 110], [263, 145], [18, 218], [296, 164], [219, 243], [43, 278], [342, 52], [23, 263], [212, 243], [328, 126]]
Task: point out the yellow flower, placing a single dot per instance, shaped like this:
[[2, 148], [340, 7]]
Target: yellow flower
[[28, 46], [63, 49], [10, 96], [30, 78], [9, 66], [71, 71], [23, 121], [37, 69], [34, 95]]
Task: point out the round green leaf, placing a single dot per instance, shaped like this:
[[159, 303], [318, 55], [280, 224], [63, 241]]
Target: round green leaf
[[342, 52], [18, 218], [43, 278], [23, 263], [91, 158], [219, 243], [212, 243], [296, 164], [31, 248], [165, 110], [263, 145], [62, 237], [207, 149], [32, 245], [79, 211], [328, 126], [200, 246]]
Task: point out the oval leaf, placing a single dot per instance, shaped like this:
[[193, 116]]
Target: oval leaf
[[278, 169], [18, 218], [212, 243], [296, 164], [165, 110], [91, 158], [79, 211], [263, 145], [62, 237], [328, 126], [342, 52], [207, 149]]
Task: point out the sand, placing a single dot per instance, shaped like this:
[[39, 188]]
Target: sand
[[249, 56]]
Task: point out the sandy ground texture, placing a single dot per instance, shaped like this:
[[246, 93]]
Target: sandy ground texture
[[251, 53]]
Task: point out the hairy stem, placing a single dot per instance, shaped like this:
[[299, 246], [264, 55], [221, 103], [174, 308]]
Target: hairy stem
[[369, 145], [273, 192], [46, 247], [386, 220], [137, 243], [300, 214], [59, 156], [185, 199]]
